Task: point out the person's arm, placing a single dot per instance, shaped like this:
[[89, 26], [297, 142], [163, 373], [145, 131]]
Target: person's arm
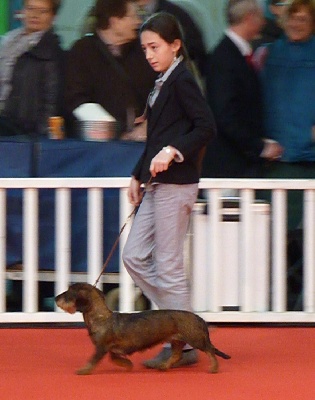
[[78, 77], [51, 79], [52, 87]]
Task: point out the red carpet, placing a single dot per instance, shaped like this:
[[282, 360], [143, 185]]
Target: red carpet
[[267, 363]]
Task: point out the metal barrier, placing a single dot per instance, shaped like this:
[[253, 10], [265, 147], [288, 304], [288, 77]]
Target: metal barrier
[[271, 309]]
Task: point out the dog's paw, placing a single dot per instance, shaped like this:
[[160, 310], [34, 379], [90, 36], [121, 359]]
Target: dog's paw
[[214, 369], [84, 371], [162, 366]]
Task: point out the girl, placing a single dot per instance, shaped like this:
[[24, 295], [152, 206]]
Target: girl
[[180, 124]]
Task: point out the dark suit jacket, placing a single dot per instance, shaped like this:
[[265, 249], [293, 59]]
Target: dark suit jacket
[[180, 117], [234, 94]]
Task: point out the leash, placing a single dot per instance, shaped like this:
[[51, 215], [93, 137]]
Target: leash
[[117, 240], [114, 245]]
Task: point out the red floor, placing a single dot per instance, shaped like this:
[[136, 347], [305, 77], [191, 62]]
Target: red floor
[[267, 363]]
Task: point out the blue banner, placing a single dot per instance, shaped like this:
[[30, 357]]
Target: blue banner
[[65, 158]]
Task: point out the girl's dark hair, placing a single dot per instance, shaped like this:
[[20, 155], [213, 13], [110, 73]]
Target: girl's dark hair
[[167, 27]]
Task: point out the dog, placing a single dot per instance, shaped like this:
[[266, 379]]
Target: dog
[[121, 334]]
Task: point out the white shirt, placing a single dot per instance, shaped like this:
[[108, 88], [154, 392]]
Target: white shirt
[[242, 44], [161, 79]]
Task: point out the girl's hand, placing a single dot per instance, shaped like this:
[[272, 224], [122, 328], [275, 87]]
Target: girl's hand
[[134, 192], [162, 160]]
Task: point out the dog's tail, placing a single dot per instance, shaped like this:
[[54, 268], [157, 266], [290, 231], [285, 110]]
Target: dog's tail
[[221, 354]]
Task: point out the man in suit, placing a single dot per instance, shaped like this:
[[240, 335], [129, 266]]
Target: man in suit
[[234, 94]]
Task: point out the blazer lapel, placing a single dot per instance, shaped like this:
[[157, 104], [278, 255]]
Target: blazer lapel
[[163, 96], [158, 106]]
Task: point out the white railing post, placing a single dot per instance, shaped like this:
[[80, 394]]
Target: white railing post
[[246, 259], [213, 254], [95, 234], [199, 259], [3, 255], [62, 239], [30, 250], [126, 285], [309, 251], [261, 256], [279, 255]]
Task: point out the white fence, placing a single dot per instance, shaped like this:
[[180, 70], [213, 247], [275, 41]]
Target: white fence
[[258, 277]]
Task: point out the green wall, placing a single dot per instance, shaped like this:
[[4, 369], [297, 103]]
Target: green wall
[[208, 14], [4, 16]]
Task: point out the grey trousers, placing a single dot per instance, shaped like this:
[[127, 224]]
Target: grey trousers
[[153, 254]]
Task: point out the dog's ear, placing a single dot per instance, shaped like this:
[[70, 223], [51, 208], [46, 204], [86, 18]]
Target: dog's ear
[[82, 305], [82, 302]]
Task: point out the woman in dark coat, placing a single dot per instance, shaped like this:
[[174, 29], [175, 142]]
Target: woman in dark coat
[[31, 61]]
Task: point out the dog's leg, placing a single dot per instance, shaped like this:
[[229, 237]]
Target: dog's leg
[[177, 350], [88, 368], [210, 351], [121, 361]]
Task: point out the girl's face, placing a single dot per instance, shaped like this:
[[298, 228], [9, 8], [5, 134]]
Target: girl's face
[[158, 52]]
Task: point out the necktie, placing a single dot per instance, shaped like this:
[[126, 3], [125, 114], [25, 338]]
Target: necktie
[[250, 60]]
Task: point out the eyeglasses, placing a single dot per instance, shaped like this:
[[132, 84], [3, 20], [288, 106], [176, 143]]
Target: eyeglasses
[[38, 11]]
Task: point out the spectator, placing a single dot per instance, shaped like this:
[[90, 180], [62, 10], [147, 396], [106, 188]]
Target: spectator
[[192, 34], [273, 28], [234, 94], [109, 68], [289, 92], [31, 72]]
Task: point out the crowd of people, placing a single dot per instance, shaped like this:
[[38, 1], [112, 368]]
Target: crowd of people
[[144, 61]]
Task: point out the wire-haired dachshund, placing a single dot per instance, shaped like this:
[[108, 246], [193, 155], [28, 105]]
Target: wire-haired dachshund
[[120, 334]]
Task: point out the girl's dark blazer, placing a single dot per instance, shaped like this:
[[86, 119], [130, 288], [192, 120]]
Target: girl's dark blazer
[[180, 117]]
